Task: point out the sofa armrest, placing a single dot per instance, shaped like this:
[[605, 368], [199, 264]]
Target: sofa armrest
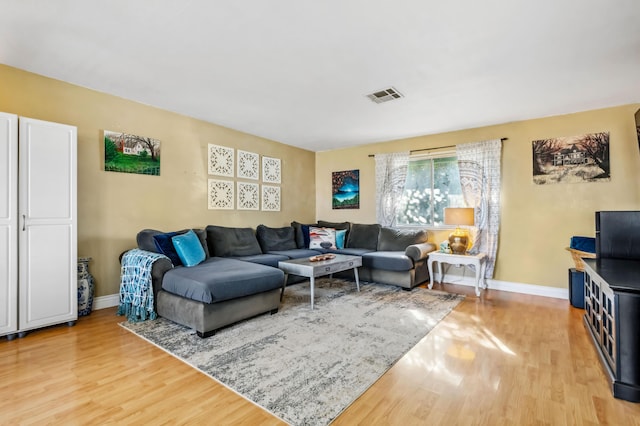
[[158, 269], [419, 251]]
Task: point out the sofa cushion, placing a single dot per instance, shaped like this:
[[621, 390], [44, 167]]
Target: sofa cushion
[[363, 236], [226, 242], [268, 259], [387, 260], [392, 239], [296, 253], [219, 279], [164, 245], [341, 236], [271, 239], [189, 248], [145, 240], [335, 225], [322, 238], [353, 251], [302, 233]]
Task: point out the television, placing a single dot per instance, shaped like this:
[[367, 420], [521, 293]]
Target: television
[[618, 234]]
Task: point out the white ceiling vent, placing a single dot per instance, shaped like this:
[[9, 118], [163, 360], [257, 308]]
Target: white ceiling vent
[[385, 95]]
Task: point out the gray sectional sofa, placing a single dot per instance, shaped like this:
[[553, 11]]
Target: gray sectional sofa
[[239, 277]]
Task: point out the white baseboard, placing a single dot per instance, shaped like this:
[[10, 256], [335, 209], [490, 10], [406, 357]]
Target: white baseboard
[[109, 301], [536, 290], [112, 300]]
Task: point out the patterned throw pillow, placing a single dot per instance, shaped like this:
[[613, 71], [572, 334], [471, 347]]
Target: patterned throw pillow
[[322, 238]]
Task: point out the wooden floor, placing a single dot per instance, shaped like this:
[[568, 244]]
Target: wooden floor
[[500, 359]]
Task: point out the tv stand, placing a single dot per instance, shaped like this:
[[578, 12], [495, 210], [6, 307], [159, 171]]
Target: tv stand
[[612, 316]]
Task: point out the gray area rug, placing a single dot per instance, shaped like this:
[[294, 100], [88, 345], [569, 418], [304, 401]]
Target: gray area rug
[[307, 366]]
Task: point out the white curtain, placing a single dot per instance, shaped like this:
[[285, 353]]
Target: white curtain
[[391, 175], [479, 165]]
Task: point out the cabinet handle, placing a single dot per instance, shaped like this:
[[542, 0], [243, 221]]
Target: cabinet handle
[[24, 222]]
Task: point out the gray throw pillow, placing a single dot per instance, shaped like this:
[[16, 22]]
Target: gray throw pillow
[[363, 236], [275, 239], [393, 239], [334, 225], [225, 242]]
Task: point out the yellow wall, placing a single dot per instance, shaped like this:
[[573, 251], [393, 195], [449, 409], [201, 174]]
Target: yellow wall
[[113, 207], [537, 220]]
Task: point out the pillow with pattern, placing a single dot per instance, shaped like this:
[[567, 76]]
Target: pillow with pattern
[[322, 238]]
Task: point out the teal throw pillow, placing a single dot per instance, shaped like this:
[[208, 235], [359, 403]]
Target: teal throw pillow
[[189, 248], [340, 235]]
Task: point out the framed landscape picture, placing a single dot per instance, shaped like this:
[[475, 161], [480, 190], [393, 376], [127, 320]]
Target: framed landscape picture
[[127, 153], [346, 189]]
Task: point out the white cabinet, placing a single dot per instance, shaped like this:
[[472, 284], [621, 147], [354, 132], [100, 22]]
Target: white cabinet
[[40, 248], [8, 223]]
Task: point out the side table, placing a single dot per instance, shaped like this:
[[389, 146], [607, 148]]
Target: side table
[[479, 261]]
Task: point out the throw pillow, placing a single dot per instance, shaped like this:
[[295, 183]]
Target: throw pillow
[[226, 242], [392, 239], [322, 238], [340, 237], [189, 248], [165, 246], [275, 239], [302, 233], [363, 236]]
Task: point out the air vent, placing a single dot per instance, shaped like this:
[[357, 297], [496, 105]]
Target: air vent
[[385, 95]]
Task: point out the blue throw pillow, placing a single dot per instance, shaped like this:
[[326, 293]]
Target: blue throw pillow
[[340, 234], [305, 235], [189, 248], [165, 246]]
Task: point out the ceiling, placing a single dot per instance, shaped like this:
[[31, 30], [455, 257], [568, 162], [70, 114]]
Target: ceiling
[[298, 71]]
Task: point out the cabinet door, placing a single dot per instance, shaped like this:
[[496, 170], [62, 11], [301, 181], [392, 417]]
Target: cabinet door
[[47, 241], [8, 223]]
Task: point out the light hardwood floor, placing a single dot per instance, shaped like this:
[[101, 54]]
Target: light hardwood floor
[[500, 359]]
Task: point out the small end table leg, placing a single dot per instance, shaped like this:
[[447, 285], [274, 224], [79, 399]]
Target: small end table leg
[[430, 266], [312, 280], [478, 270], [355, 273]]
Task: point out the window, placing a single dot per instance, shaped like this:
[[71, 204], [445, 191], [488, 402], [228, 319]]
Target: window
[[432, 184]]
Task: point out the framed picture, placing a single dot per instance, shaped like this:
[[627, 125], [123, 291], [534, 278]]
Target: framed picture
[[248, 165], [220, 194], [572, 159], [248, 196], [127, 153], [271, 170], [221, 161], [345, 189], [270, 198]]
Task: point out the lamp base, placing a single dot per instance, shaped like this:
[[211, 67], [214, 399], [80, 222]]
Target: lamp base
[[458, 243]]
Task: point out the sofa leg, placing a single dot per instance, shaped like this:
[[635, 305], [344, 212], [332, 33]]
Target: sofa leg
[[206, 333], [407, 289], [274, 311]]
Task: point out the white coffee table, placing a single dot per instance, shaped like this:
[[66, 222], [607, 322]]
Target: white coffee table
[[306, 268], [479, 261]]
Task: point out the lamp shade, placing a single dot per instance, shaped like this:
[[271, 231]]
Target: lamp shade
[[459, 216]]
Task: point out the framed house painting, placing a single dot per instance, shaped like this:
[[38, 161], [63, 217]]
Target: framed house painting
[[127, 153], [572, 159]]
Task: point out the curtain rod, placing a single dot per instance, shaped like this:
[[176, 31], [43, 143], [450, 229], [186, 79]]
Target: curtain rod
[[431, 149]]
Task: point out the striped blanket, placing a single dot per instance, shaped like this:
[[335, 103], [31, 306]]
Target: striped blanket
[[136, 292]]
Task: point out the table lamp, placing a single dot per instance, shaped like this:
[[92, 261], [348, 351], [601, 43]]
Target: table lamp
[[459, 239]]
